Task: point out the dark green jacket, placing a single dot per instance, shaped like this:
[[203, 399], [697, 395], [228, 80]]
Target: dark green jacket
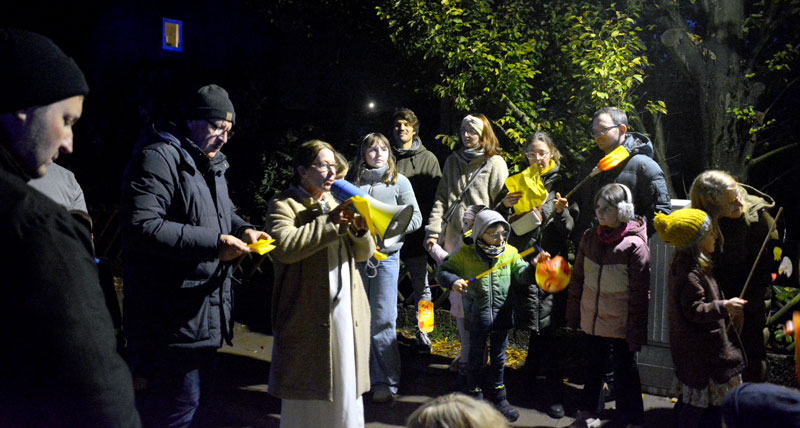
[[422, 169]]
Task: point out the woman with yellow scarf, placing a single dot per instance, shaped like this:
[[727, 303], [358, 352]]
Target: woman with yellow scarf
[[540, 216]]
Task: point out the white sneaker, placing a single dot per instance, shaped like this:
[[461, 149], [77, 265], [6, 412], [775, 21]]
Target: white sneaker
[[424, 342], [585, 419]]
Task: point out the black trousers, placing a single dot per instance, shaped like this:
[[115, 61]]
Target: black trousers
[[628, 385]]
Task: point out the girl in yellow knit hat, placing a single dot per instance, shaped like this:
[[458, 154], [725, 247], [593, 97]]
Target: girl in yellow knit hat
[[705, 349]]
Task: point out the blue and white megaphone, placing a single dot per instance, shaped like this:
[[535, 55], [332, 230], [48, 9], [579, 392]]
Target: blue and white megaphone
[[390, 221]]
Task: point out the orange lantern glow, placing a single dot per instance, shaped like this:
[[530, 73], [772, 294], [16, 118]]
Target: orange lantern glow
[[792, 328], [425, 316], [553, 275]]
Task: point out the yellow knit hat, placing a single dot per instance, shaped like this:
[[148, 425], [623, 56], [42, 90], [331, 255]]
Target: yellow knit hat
[[683, 228]]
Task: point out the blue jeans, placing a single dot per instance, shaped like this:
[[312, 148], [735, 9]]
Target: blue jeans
[[181, 377], [498, 342], [384, 355]]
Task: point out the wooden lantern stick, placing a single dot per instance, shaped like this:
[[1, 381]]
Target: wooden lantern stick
[[760, 252]]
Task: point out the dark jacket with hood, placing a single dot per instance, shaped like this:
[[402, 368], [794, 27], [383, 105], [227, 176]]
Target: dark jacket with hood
[[533, 308], [639, 172], [60, 366], [175, 206], [421, 167]]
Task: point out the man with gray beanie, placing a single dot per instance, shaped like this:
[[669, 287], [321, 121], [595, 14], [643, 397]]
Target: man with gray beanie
[[59, 367], [181, 239]]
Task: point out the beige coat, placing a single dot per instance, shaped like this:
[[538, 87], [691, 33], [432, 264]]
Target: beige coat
[[484, 191], [301, 312]]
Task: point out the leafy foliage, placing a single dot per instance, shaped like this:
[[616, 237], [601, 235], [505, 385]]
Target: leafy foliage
[[530, 65]]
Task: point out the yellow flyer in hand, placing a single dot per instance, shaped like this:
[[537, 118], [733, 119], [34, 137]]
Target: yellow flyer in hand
[[262, 246], [529, 182]]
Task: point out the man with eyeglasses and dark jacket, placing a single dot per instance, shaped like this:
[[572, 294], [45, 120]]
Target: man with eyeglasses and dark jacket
[[181, 239]]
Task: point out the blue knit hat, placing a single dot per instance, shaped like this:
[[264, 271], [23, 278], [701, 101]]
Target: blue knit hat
[[761, 405]]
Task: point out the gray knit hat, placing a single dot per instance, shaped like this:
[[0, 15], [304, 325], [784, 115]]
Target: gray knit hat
[[484, 220], [211, 102], [35, 72]]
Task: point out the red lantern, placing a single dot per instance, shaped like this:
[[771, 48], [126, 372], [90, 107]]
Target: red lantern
[[553, 275]]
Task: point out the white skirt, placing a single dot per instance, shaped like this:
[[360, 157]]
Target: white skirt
[[347, 408]]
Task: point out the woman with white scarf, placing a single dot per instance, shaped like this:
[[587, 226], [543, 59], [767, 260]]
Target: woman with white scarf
[[473, 174]]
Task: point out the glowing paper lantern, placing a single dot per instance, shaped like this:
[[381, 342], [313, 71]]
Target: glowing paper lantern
[[792, 329], [425, 316], [553, 275]]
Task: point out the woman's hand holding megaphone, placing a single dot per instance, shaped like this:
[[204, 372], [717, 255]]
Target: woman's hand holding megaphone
[[359, 225], [342, 214]]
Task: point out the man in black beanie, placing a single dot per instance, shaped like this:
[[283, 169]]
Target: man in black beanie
[[181, 239], [59, 366]]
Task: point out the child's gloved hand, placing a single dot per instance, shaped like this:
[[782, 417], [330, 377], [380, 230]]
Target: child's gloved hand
[[460, 286]]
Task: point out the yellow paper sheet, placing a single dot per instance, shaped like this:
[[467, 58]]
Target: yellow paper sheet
[[262, 246], [529, 182]]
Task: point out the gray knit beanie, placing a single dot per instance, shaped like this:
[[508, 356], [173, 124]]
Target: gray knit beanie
[[211, 102]]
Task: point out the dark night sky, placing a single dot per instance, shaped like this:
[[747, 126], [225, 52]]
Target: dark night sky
[[286, 68]]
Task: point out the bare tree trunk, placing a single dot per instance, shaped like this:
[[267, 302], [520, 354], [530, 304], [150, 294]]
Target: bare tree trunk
[[717, 73], [660, 147]]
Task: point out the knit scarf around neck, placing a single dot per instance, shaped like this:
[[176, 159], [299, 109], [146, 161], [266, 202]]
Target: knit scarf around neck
[[470, 155], [373, 175], [609, 236]]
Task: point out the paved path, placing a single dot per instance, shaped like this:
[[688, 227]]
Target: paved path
[[241, 400]]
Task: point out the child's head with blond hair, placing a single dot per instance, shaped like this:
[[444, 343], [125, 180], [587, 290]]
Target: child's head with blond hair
[[456, 411]]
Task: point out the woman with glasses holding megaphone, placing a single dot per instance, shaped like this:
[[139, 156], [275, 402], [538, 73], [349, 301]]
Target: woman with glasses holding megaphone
[[320, 312], [375, 173]]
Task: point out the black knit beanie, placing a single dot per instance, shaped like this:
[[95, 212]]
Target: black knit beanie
[[211, 102], [35, 72]]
